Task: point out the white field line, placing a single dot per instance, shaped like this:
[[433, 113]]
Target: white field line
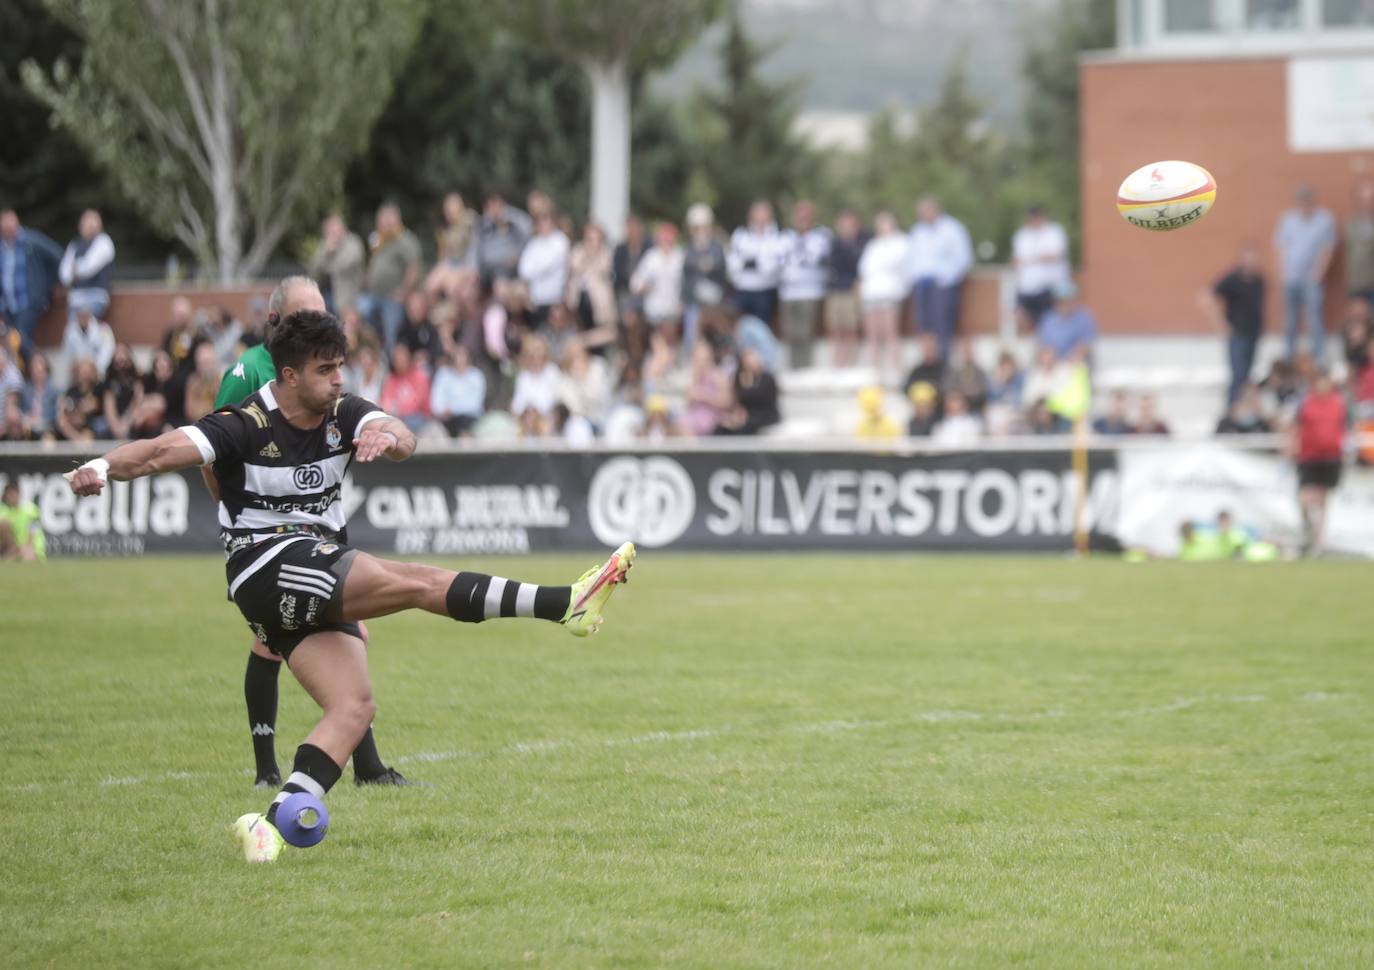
[[554, 745]]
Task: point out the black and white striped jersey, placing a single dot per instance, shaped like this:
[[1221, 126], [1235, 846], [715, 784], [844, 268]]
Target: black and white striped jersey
[[275, 478]]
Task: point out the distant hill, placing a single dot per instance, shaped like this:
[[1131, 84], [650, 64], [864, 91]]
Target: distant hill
[[859, 55]]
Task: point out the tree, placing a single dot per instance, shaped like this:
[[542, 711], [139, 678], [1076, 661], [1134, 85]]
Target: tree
[[747, 147], [224, 121], [614, 41]]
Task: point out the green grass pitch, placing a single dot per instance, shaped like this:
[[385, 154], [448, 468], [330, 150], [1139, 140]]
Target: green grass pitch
[[761, 762]]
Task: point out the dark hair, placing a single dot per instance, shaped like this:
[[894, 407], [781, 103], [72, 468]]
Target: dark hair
[[303, 334]]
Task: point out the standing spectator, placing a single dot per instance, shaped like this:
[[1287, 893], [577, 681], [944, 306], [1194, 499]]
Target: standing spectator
[[703, 270], [202, 385], [842, 288], [805, 254], [1359, 243], [882, 285], [406, 391], [626, 259], [1304, 239], [657, 281], [337, 264], [1040, 253], [591, 293], [536, 387], [754, 263], [121, 395], [86, 266], [544, 266], [1239, 304], [708, 393], [500, 238], [418, 332], [29, 263], [458, 394], [81, 404], [1117, 420], [457, 257], [941, 256], [755, 405], [366, 377], [586, 385], [88, 337], [1149, 421], [1069, 329], [1318, 447], [39, 400], [392, 273]]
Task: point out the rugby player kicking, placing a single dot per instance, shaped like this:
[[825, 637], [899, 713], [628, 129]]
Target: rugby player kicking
[[279, 460], [250, 372]]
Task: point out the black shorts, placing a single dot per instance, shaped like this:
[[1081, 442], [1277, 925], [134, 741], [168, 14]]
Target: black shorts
[[290, 588], [1036, 305], [1326, 474]]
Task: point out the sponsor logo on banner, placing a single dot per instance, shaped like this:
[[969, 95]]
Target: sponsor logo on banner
[[126, 518], [308, 478], [650, 500], [287, 608]]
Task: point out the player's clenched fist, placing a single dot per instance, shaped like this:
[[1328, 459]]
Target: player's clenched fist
[[89, 479]]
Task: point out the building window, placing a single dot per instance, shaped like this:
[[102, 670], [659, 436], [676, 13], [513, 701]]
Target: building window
[[1348, 13], [1190, 16], [1273, 14]]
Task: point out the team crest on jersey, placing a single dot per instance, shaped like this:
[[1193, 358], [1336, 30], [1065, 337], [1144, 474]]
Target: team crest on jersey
[[332, 436], [324, 549], [271, 451], [287, 609]]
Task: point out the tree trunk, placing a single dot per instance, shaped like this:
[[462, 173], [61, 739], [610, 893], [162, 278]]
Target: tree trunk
[[610, 202]]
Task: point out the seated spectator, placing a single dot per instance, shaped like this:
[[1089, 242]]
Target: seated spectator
[[365, 376], [81, 404], [163, 383], [1007, 382], [874, 422], [12, 348], [1282, 390], [1244, 415], [11, 376], [224, 332], [392, 272], [14, 428], [1149, 421], [418, 332], [457, 260], [1041, 421], [88, 337], [500, 238], [708, 394], [39, 400], [574, 429], [658, 420], [458, 394], [883, 288], [501, 321], [405, 394], [659, 365], [755, 397], [543, 266], [625, 260], [658, 282], [586, 385], [963, 375], [180, 338], [21, 528], [559, 331], [960, 427], [85, 268], [626, 415], [1069, 328], [1355, 334], [931, 369], [121, 395], [591, 294], [255, 323], [202, 384], [338, 264], [356, 334], [925, 405], [1047, 377], [753, 334], [536, 387], [1117, 419]]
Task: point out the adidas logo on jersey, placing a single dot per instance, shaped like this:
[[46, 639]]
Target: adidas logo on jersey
[[271, 451]]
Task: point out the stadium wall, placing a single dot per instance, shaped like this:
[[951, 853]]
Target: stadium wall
[[1230, 115]]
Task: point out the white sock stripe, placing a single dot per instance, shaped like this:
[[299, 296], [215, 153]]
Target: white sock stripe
[[492, 606], [319, 574], [305, 781], [312, 590], [524, 599]]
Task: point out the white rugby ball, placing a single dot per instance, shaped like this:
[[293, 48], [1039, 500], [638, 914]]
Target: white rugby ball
[[1166, 195]]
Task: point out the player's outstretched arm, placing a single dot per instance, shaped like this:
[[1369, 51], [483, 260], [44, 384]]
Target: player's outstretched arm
[[165, 453], [384, 436]]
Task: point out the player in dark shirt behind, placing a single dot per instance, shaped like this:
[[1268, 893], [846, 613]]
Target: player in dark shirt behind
[[248, 373]]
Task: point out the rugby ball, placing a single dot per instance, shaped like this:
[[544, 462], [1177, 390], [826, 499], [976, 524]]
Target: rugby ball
[[1166, 195]]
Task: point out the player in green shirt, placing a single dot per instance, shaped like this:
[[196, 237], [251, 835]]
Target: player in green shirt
[[249, 373], [21, 529]]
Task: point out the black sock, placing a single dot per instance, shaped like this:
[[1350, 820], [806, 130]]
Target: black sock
[[314, 771], [260, 693], [475, 597], [367, 763]]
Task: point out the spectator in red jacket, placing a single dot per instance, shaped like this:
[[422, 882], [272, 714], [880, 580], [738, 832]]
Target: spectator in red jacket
[[405, 394], [1318, 446]]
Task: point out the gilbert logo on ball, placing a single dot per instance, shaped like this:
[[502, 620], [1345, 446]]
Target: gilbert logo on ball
[[1166, 195]]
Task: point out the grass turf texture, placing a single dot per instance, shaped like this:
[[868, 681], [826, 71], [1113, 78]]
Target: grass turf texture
[[766, 762]]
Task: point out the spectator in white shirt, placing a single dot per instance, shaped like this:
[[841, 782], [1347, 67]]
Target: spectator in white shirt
[[657, 281], [86, 337], [86, 266], [959, 428], [536, 387], [805, 265], [941, 256], [544, 266], [882, 287], [1040, 253], [754, 264]]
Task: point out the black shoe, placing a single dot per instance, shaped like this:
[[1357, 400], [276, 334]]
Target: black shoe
[[269, 780], [388, 777]]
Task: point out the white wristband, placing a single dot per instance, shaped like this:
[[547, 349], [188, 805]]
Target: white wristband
[[100, 466]]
